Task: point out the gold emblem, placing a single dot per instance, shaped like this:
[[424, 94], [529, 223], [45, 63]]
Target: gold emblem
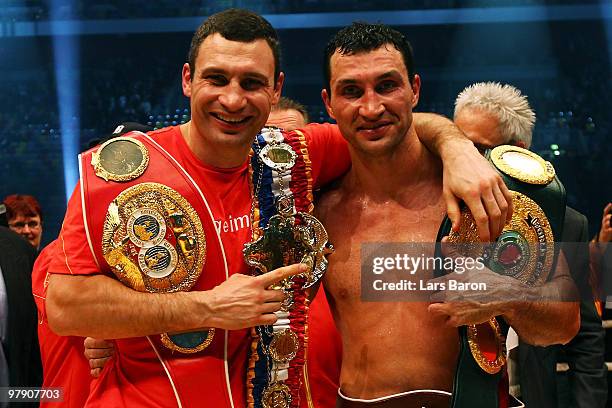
[[524, 250], [153, 239], [276, 395], [279, 156], [286, 241], [146, 227], [158, 261], [478, 335], [284, 346], [522, 164], [120, 159]]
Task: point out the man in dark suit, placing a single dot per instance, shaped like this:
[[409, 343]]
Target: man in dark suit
[[586, 378], [20, 364], [492, 114]]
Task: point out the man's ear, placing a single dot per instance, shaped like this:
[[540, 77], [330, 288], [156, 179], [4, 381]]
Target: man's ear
[[327, 101], [416, 90], [278, 87], [520, 143], [186, 80]]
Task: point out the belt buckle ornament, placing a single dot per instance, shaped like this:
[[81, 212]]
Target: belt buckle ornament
[[279, 156], [284, 346], [476, 340], [290, 238], [522, 164], [276, 395], [153, 241], [522, 251], [120, 159]]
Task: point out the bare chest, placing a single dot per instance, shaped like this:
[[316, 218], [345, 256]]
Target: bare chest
[[353, 225]]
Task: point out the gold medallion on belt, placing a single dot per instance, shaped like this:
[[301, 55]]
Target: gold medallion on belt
[[120, 159], [522, 164], [276, 395]]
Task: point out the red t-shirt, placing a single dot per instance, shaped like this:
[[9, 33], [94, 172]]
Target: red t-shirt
[[229, 198], [64, 364], [324, 355]]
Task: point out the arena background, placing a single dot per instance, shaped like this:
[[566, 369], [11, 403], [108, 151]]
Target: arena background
[[70, 71]]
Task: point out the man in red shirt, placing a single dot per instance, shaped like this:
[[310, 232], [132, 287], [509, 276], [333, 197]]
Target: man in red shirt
[[232, 79]]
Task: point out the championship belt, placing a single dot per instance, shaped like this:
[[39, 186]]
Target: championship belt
[[152, 238], [524, 251], [284, 233]]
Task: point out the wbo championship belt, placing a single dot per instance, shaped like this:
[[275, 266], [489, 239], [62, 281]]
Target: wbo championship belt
[[284, 233], [524, 251], [152, 237]]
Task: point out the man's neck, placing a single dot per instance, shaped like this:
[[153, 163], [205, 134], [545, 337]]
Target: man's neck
[[220, 157], [390, 176]]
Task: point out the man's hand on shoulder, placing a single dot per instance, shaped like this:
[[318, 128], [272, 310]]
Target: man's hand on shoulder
[[470, 178], [467, 176]]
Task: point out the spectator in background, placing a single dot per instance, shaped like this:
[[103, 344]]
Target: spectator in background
[[600, 269], [19, 356], [288, 114], [25, 217], [492, 114]]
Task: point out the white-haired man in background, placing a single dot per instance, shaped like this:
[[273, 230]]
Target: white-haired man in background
[[491, 114]]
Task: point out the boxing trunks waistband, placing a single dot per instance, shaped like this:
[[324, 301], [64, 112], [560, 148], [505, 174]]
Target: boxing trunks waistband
[[409, 399], [415, 398]]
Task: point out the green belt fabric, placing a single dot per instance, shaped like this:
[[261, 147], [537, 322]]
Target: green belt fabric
[[472, 386]]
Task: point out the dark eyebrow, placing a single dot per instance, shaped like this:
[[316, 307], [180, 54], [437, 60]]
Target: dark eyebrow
[[208, 71], [390, 74], [346, 82]]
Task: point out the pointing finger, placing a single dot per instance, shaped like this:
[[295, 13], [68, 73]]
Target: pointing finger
[[277, 275]]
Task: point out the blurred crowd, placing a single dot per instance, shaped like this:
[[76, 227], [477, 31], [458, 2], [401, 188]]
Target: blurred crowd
[[115, 9]]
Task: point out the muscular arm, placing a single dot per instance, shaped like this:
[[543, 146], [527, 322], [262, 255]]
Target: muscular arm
[[467, 176], [545, 322], [101, 307], [543, 315]]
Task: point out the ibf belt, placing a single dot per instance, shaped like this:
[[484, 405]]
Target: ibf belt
[[524, 251], [151, 235], [284, 233]]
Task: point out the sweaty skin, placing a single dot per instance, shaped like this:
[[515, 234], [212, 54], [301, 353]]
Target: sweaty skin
[[396, 346], [392, 193]]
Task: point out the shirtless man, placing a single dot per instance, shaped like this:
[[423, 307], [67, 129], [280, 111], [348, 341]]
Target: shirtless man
[[388, 347]]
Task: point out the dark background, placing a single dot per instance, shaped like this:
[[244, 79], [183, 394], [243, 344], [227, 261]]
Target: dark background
[[128, 58]]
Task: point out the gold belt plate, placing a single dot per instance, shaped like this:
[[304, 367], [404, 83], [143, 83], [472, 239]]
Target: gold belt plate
[[524, 251], [153, 239]]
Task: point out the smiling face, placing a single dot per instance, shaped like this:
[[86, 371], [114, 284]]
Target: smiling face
[[231, 93], [371, 98]]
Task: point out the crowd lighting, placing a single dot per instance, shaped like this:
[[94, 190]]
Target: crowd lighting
[[67, 81]]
